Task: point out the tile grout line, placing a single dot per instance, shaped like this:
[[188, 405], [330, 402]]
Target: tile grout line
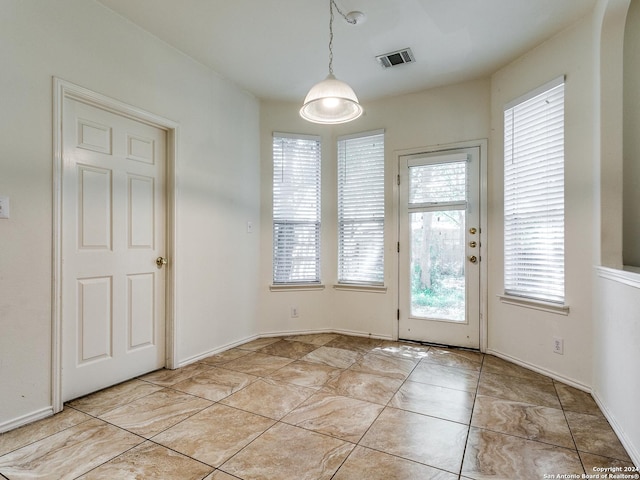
[[475, 399], [573, 439], [484, 365]]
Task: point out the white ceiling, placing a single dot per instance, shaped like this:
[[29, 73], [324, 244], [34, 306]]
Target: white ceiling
[[277, 49]]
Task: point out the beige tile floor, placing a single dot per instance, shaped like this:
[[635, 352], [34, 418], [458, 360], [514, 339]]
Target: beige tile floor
[[322, 407]]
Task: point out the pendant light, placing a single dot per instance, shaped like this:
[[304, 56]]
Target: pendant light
[[332, 101]]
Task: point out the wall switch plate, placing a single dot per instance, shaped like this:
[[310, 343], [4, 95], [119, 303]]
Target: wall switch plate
[[558, 345], [294, 312], [4, 207], [249, 227]]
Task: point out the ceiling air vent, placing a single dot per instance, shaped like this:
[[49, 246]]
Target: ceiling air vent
[[396, 58]]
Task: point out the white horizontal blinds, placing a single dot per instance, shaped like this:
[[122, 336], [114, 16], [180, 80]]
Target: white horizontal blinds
[[361, 209], [296, 209], [534, 195]]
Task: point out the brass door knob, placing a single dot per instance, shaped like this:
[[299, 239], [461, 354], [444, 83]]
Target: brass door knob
[[473, 259], [161, 261]]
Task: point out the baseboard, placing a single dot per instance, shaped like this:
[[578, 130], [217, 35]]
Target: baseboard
[[208, 353], [283, 333], [354, 333], [26, 419], [556, 376], [631, 449], [291, 333]]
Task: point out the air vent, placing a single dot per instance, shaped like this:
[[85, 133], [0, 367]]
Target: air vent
[[393, 59]]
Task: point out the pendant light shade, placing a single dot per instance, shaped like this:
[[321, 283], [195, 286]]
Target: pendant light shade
[[331, 101]]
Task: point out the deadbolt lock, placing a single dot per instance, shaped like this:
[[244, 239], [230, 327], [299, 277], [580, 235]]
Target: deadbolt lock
[[473, 230], [473, 244]]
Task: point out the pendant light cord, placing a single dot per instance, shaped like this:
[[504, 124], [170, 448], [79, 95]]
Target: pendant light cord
[[332, 4]]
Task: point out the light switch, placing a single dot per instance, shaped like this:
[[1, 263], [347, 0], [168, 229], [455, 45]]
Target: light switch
[[4, 207]]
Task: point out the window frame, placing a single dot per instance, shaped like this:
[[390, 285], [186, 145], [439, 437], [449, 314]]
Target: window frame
[[291, 213], [519, 215], [374, 279]]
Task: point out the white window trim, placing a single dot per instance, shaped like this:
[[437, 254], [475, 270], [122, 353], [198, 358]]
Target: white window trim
[[531, 302], [290, 287], [559, 308], [297, 285], [357, 287], [377, 287], [535, 92]]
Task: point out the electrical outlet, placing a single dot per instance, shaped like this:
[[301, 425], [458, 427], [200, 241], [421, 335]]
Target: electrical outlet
[[294, 312], [558, 345]]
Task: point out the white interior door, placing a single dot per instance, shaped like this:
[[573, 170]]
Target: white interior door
[[440, 247], [113, 230]]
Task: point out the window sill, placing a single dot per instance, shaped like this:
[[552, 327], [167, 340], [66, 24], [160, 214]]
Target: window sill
[[291, 287], [360, 288], [535, 304], [629, 276]]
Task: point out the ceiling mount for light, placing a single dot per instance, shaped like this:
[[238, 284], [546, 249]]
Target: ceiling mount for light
[[332, 101], [355, 18]]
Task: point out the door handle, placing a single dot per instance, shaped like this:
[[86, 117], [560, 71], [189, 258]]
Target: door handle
[[161, 261], [473, 259]]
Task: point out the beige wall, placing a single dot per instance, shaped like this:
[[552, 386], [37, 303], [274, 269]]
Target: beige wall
[[444, 115], [217, 174], [526, 334]]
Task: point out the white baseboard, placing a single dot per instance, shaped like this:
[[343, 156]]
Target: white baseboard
[[556, 376], [284, 333], [26, 419], [208, 353], [353, 333], [290, 333], [631, 449]]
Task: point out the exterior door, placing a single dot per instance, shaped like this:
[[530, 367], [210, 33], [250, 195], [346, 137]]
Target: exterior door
[[440, 247], [113, 230]]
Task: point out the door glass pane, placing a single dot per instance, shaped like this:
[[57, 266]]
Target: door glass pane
[[437, 265], [438, 182]]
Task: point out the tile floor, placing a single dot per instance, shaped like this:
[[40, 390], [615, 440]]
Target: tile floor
[[322, 406]]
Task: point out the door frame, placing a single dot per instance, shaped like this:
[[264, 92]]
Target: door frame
[[61, 91], [482, 144]]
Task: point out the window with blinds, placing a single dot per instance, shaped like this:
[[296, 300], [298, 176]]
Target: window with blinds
[[296, 209], [534, 194], [361, 209]]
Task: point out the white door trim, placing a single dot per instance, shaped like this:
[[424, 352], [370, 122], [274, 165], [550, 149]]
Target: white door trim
[[482, 144], [61, 90]]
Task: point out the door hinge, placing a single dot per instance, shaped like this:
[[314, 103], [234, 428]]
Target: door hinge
[[398, 315], [398, 180], [398, 247]]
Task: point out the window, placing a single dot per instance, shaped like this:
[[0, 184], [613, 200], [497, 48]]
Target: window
[[534, 194], [296, 209], [361, 209]]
